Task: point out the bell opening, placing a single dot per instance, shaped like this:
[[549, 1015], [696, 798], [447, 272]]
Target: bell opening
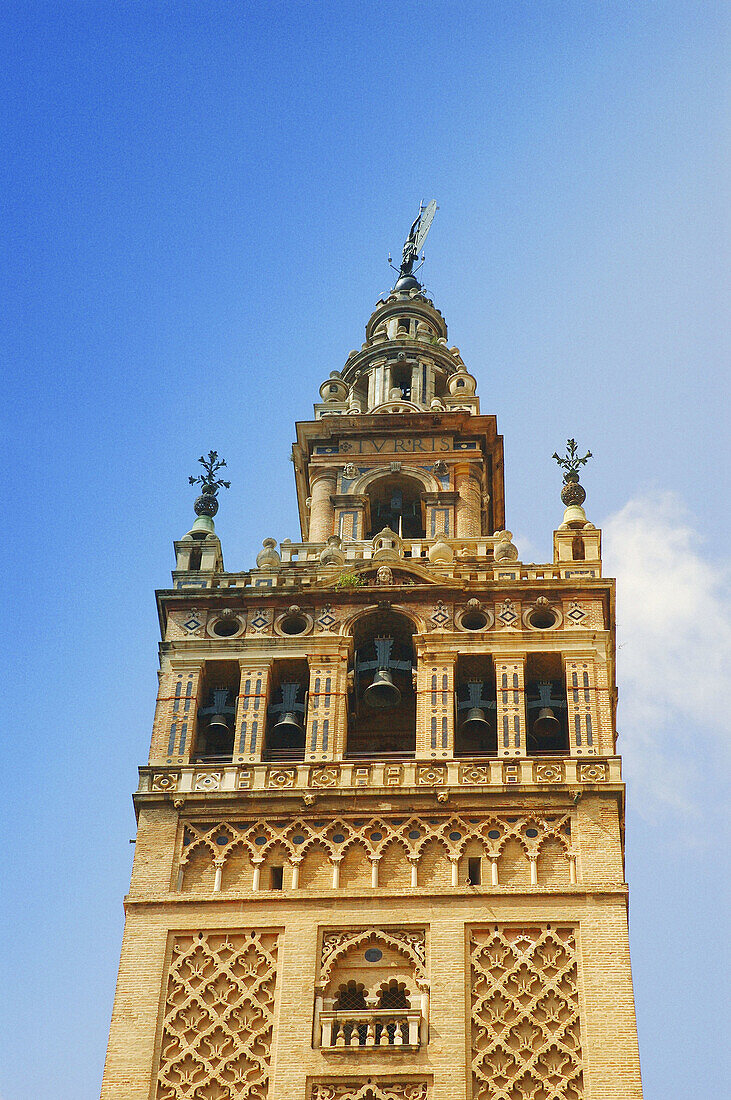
[[546, 705], [475, 724], [382, 702], [287, 711], [214, 731]]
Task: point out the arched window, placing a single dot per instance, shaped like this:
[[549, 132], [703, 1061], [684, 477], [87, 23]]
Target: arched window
[[351, 998], [395, 502], [393, 996]]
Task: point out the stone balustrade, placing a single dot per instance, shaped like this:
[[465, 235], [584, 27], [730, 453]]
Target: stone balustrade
[[396, 1029]]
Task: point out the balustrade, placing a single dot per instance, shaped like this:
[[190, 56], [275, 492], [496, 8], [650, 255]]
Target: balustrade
[[397, 1028]]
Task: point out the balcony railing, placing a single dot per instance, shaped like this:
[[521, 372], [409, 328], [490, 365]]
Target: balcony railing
[[397, 1029]]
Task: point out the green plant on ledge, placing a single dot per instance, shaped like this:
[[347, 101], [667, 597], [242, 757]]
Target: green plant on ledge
[[350, 580]]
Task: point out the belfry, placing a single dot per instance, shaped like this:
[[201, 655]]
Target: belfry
[[380, 831]]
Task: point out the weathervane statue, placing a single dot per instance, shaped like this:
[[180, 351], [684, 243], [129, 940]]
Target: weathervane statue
[[412, 246]]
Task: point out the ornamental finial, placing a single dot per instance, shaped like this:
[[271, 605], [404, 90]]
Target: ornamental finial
[[571, 463], [207, 503], [572, 494]]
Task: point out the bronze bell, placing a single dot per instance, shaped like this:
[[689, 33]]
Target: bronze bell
[[382, 693], [288, 732], [476, 723], [546, 724], [219, 726]]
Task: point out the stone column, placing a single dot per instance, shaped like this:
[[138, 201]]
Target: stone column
[[468, 502], [322, 513]]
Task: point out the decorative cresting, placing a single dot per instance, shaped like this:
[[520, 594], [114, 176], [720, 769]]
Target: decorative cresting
[[526, 1042], [528, 848], [372, 1090], [218, 1017]]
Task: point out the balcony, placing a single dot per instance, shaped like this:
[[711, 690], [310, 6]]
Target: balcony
[[394, 1029]]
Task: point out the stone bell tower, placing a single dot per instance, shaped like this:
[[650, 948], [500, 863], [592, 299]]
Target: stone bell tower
[[380, 831]]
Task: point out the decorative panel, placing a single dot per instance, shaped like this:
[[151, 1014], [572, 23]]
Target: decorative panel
[[526, 1038], [218, 1017]]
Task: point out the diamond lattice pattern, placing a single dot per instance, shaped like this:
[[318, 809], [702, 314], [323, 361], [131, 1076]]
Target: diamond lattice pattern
[[217, 1026], [526, 1043]]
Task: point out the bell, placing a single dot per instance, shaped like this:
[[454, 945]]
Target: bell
[[476, 724], [382, 693], [288, 732], [546, 724], [218, 726]]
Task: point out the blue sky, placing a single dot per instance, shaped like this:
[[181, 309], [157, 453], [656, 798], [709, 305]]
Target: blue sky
[[198, 205]]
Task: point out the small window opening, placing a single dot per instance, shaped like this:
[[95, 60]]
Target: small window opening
[[403, 325], [401, 379], [474, 871], [394, 996], [351, 998], [277, 878], [578, 550], [194, 561]]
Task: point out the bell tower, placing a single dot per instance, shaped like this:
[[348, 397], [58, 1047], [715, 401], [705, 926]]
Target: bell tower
[[380, 831]]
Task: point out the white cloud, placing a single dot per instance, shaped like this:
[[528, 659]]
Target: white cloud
[[674, 655]]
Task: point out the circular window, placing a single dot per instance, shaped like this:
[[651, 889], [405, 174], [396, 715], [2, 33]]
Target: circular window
[[226, 628], [294, 624], [339, 838], [474, 620], [494, 834], [542, 618], [373, 955], [298, 840], [376, 836], [414, 834], [455, 836], [531, 832]]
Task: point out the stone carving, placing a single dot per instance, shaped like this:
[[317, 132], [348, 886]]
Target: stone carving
[[549, 773], [326, 620], [430, 775], [576, 613], [260, 621], [408, 942], [373, 1090], [165, 781], [324, 777], [218, 1016], [506, 613], [350, 470], [526, 1040], [593, 773], [207, 781], [474, 773], [505, 550], [440, 616], [384, 575], [281, 777]]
